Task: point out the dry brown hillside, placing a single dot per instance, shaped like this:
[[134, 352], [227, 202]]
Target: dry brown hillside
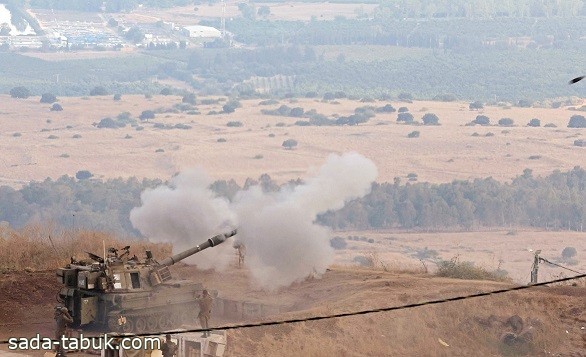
[[556, 316]]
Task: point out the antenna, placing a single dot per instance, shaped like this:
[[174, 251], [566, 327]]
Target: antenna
[[223, 20]]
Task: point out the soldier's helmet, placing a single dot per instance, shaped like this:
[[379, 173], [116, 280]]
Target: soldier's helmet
[[205, 292]]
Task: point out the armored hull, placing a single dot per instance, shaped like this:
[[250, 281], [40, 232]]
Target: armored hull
[[126, 295]]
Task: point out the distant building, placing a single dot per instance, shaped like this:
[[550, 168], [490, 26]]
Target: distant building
[[201, 32]]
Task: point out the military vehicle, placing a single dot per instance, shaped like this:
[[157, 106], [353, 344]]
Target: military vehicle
[[120, 293]]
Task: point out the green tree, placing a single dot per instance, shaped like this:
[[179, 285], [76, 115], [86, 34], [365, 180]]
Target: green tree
[[48, 98], [569, 253], [476, 105], [577, 121], [99, 90], [146, 115], [506, 122], [189, 98], [481, 120], [231, 106], [83, 175], [430, 119], [20, 92], [56, 107], [405, 117], [534, 123]]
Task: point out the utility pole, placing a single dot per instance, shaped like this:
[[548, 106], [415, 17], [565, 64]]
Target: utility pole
[[535, 267], [223, 20]]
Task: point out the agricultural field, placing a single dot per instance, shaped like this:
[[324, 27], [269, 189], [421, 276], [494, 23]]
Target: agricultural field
[[38, 143]]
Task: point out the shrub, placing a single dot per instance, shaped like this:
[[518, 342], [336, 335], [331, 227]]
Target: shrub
[[234, 124], [148, 96], [386, 109], [189, 98], [476, 105], [506, 122], [17, 135], [258, 157], [550, 125], [405, 96], [580, 142], [128, 136], [83, 175], [524, 103], [403, 110], [65, 156], [231, 106], [221, 140], [56, 107], [569, 253], [159, 150], [534, 157], [146, 115], [430, 119], [577, 121], [405, 117], [489, 134], [297, 112], [481, 120], [166, 91], [311, 95], [48, 98], [269, 102], [76, 136], [109, 123], [338, 243], [139, 128], [289, 144], [413, 134], [52, 137], [534, 123], [20, 92], [280, 124], [99, 90], [467, 270]]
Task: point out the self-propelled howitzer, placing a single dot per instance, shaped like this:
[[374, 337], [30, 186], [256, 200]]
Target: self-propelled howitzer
[[123, 294]]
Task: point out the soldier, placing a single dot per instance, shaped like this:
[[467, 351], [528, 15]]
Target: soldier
[[205, 311], [62, 319], [168, 348], [241, 248]]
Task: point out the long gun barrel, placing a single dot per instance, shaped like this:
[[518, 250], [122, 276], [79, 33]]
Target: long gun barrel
[[212, 242]]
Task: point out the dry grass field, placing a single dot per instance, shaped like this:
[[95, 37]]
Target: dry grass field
[[46, 147], [290, 11], [509, 250]]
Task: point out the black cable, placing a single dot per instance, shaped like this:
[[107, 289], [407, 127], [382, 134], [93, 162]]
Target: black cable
[[353, 313], [561, 266]]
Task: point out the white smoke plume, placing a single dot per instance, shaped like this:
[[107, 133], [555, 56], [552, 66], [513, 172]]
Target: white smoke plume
[[185, 213], [283, 244]]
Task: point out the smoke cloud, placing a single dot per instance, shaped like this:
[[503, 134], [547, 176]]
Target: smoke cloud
[[283, 242]]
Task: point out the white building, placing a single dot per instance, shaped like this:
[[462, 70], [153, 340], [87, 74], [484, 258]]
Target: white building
[[202, 32]]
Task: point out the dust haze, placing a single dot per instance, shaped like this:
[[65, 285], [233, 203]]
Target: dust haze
[[284, 244]]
